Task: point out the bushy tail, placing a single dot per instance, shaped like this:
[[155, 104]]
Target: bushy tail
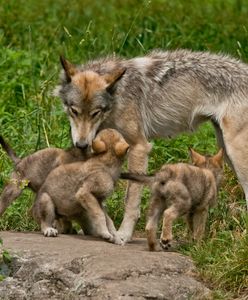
[[9, 151], [141, 178]]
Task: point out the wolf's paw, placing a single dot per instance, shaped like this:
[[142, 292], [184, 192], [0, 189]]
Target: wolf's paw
[[117, 240], [123, 237], [165, 244], [49, 231], [107, 236]]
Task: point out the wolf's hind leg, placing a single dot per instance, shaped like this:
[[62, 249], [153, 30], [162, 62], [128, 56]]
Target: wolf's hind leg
[[189, 221], [199, 219], [64, 226], [169, 216], [154, 214]]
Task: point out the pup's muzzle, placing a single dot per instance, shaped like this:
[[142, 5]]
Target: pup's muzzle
[[82, 145]]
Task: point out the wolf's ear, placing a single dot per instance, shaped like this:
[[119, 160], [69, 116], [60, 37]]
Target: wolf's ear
[[121, 148], [68, 67], [196, 158], [113, 78], [98, 146], [218, 158]]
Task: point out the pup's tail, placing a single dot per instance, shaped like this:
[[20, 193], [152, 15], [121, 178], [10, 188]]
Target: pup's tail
[[9, 151], [141, 178]]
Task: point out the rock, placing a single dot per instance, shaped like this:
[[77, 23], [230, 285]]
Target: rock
[[77, 267]]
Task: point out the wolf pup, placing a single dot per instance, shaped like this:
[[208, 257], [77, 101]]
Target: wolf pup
[[31, 171], [76, 191], [181, 190], [158, 95]]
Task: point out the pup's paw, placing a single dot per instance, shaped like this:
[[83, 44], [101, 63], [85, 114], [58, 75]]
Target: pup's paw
[[117, 240], [124, 237], [106, 236], [110, 238], [165, 244], [49, 231]]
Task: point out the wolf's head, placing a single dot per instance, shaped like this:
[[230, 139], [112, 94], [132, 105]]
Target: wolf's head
[[110, 140], [88, 99], [213, 163]]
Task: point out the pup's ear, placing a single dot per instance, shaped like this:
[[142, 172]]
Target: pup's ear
[[196, 158], [217, 159], [98, 146], [121, 148], [113, 78], [68, 67]]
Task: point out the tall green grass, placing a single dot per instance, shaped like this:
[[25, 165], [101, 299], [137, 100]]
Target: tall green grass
[[34, 33]]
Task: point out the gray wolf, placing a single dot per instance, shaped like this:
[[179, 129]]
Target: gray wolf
[[159, 95], [31, 171], [76, 191], [181, 190]]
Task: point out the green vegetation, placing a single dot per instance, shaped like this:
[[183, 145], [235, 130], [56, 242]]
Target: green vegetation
[[5, 260], [34, 33]]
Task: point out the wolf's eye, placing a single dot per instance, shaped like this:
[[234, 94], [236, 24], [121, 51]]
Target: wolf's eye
[[96, 113], [74, 111]]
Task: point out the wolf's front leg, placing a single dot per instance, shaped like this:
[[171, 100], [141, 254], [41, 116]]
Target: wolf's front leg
[[137, 163]]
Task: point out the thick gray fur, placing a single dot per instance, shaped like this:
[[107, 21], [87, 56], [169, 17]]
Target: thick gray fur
[[161, 95]]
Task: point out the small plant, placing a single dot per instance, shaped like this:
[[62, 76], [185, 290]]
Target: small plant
[[5, 260]]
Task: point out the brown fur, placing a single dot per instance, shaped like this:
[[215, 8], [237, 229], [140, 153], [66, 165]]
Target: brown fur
[[31, 171], [76, 191], [89, 83], [181, 190]]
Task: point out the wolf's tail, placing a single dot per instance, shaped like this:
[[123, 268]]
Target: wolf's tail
[[141, 178], [9, 151]]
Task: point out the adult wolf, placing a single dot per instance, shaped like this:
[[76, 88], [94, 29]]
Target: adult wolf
[[159, 95]]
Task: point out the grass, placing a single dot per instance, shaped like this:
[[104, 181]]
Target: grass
[[34, 33]]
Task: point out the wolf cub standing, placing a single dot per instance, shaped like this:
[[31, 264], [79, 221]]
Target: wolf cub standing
[[181, 189]]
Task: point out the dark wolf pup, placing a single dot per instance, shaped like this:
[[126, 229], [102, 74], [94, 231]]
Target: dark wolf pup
[[76, 191], [181, 190], [159, 95], [31, 171]]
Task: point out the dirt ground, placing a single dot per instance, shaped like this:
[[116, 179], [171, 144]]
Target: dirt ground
[[80, 267]]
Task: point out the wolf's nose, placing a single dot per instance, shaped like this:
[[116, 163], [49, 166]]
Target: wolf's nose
[[82, 145]]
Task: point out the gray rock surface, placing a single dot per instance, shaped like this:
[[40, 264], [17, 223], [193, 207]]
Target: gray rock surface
[[77, 267]]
